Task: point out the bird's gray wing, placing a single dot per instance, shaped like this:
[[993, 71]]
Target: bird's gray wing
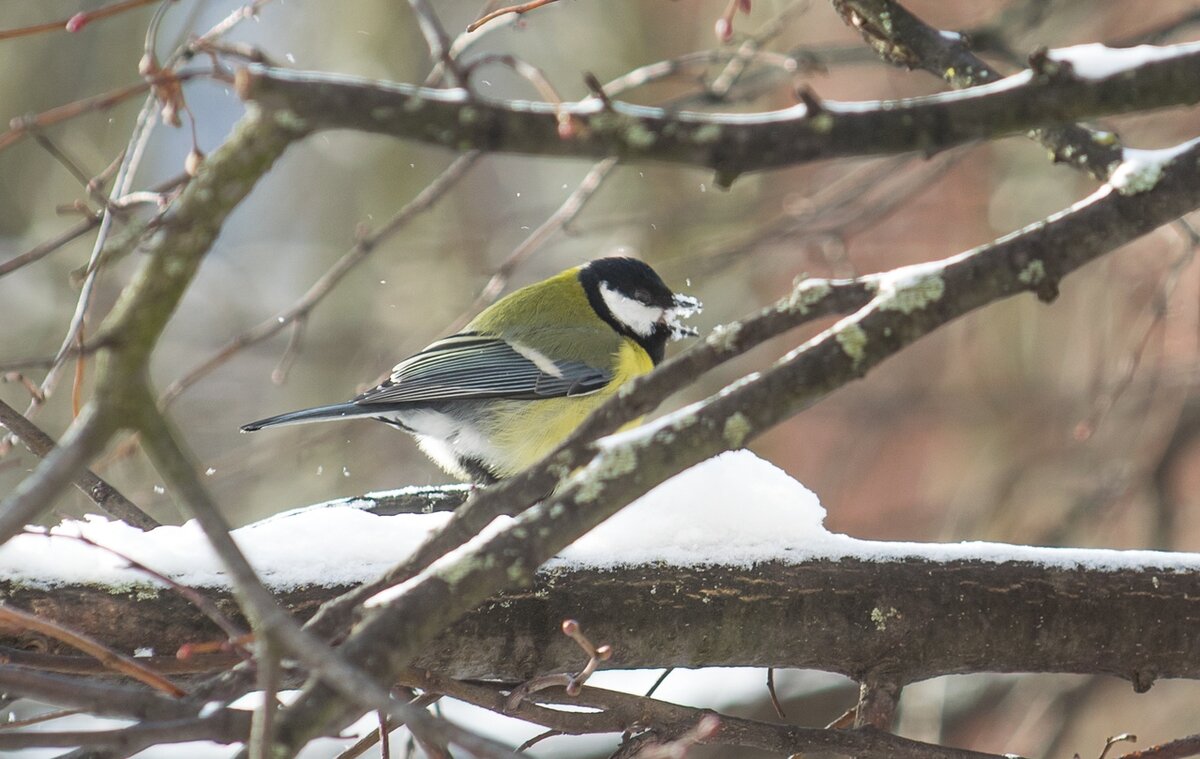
[[473, 365]]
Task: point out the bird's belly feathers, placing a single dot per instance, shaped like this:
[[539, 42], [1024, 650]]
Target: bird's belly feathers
[[501, 437]]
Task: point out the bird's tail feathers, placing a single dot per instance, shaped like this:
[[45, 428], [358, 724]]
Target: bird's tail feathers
[[320, 413]]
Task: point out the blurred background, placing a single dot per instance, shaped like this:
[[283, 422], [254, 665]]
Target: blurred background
[[1070, 424]]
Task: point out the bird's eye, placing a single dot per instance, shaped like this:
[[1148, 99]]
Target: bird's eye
[[642, 295]]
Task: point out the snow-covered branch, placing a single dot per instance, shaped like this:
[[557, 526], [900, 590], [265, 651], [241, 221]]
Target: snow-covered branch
[[670, 581], [1048, 94]]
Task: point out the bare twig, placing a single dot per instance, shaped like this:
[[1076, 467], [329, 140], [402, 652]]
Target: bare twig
[[774, 696], [569, 209], [1114, 740], [903, 39], [84, 439], [436, 37], [122, 183], [359, 747], [362, 248], [77, 21], [618, 712], [658, 682], [43, 249], [538, 739], [20, 127], [571, 682], [262, 726], [519, 9], [15, 618]]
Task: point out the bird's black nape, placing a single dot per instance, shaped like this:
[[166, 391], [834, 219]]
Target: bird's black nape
[[633, 279]]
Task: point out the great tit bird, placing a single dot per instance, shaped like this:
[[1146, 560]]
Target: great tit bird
[[498, 396]]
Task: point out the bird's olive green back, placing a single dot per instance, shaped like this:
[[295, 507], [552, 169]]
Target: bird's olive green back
[[554, 317]]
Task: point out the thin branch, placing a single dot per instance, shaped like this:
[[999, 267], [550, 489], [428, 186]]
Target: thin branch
[[43, 249], [569, 209], [20, 620], [361, 249], [77, 21], [96, 697], [122, 183], [105, 496], [262, 727], [194, 597], [436, 37], [778, 707], [518, 9]]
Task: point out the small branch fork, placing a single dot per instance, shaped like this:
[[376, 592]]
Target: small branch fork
[[571, 683]]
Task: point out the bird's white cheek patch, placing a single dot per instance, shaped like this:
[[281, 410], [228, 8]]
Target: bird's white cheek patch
[[640, 318]]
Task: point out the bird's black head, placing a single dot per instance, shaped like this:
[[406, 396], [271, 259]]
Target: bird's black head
[[634, 300]]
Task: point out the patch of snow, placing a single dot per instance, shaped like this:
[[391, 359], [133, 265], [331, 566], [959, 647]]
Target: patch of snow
[[734, 509], [497, 525], [1096, 61], [1140, 170]]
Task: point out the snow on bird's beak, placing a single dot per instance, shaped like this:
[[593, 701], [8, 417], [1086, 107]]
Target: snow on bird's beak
[[684, 307]]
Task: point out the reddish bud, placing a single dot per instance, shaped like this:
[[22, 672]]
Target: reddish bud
[[147, 65], [566, 128], [724, 30], [191, 164], [78, 21], [744, 5]]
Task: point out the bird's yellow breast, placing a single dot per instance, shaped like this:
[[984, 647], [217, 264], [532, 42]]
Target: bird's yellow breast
[[546, 423]]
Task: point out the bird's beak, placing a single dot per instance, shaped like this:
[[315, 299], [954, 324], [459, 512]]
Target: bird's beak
[[684, 307]]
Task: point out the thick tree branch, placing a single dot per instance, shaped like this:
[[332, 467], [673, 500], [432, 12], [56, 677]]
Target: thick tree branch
[[898, 620], [728, 143]]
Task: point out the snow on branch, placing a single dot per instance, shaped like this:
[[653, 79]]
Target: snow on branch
[[730, 545], [1048, 93]]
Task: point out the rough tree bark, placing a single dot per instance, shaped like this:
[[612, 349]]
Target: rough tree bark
[[897, 620]]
